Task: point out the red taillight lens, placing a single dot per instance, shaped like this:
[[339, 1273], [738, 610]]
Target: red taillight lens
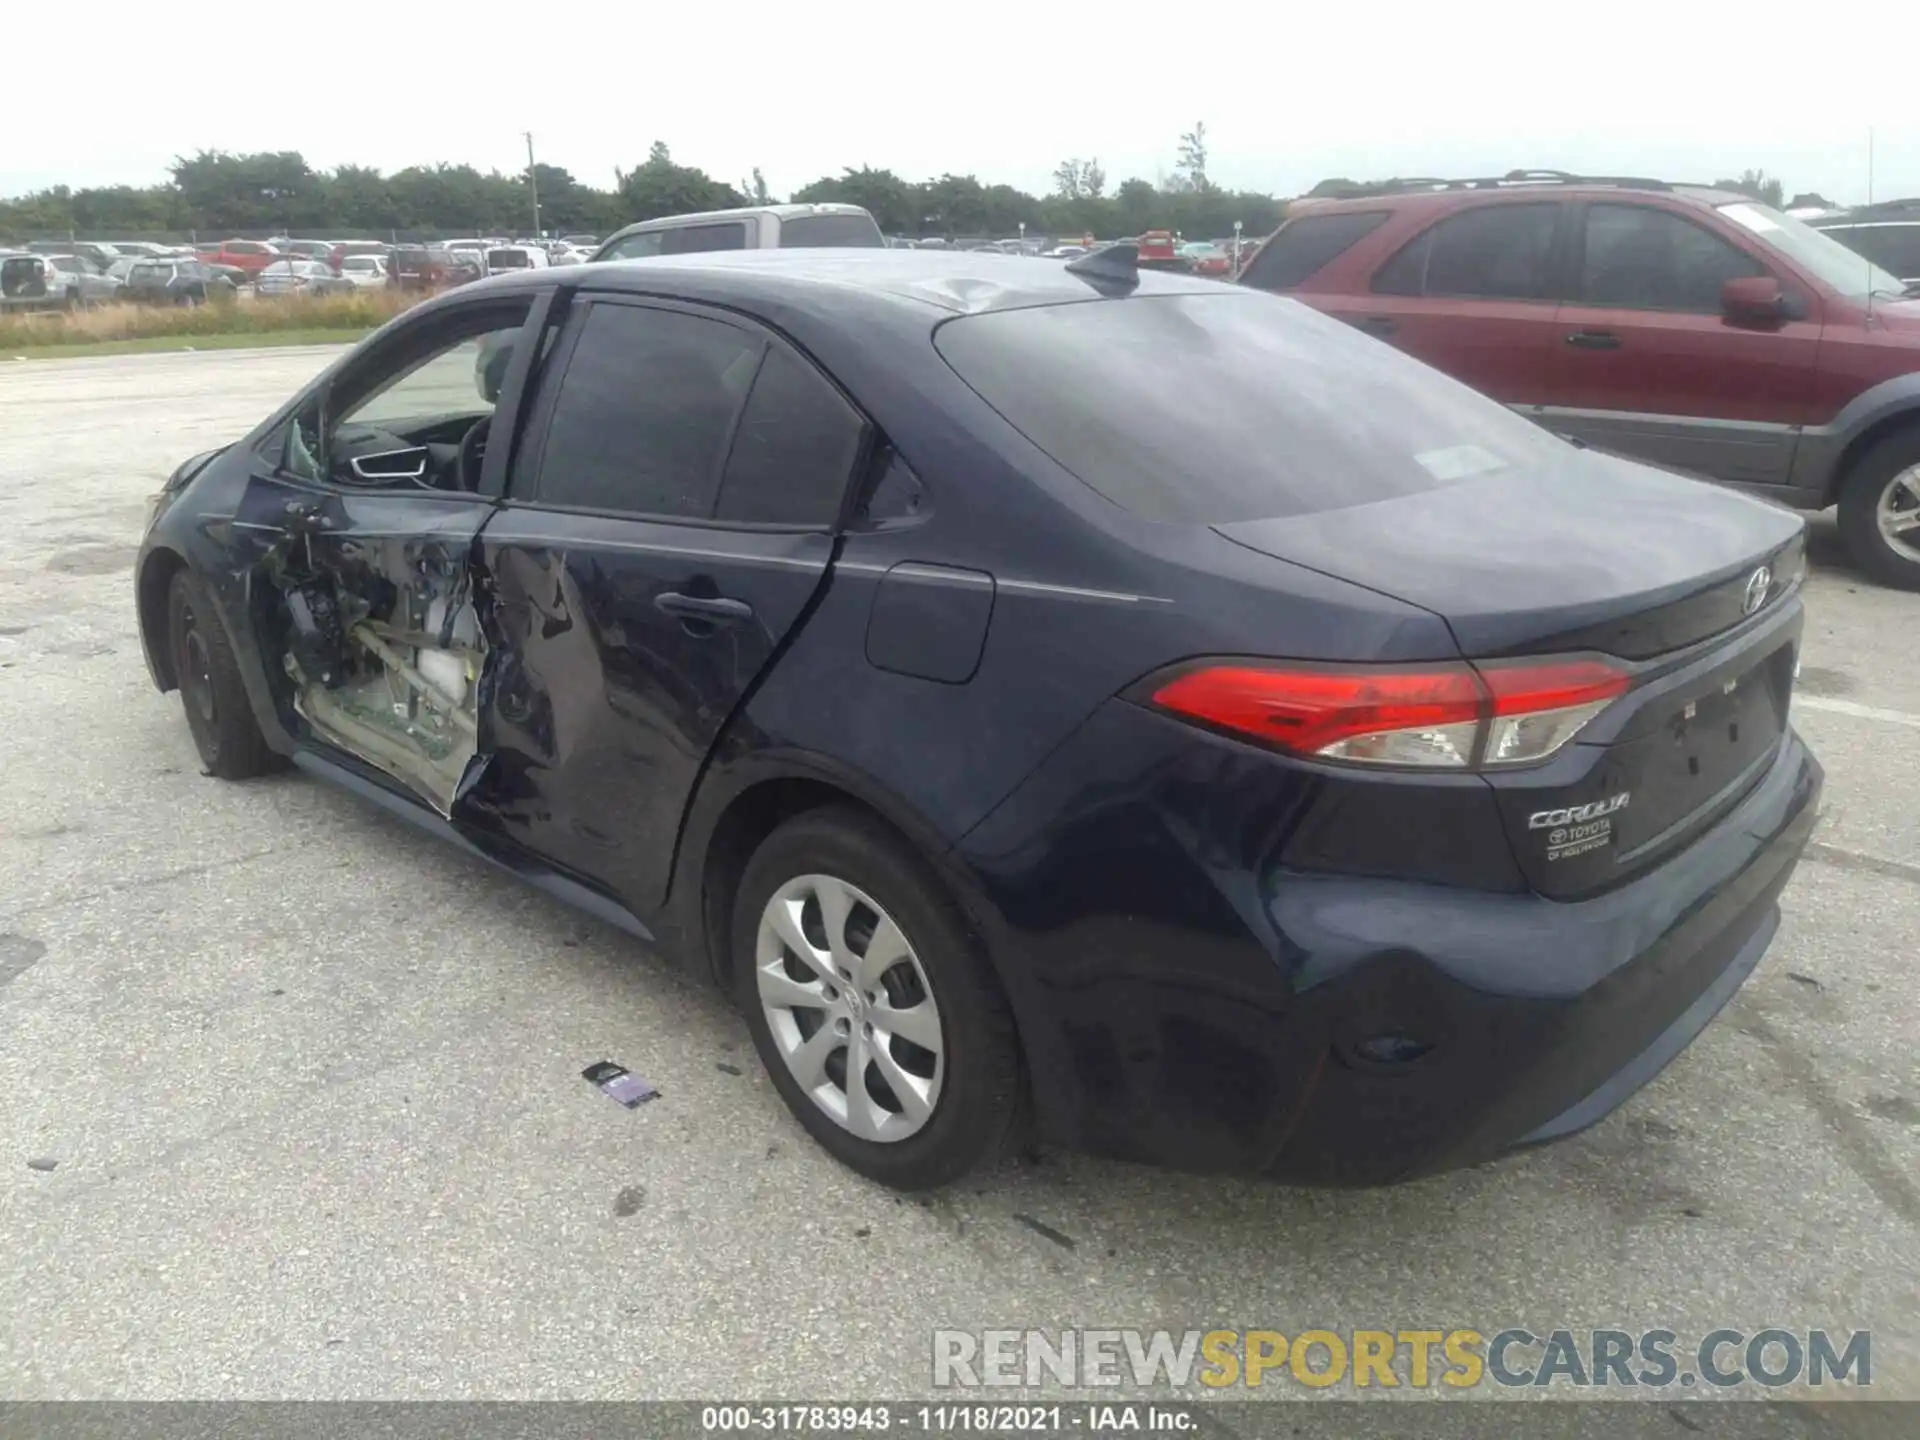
[[1445, 716]]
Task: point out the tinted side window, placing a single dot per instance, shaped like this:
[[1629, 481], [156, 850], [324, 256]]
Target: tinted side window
[[635, 247], [1304, 246], [644, 411], [1644, 259], [795, 449], [822, 231], [1495, 252], [697, 239]]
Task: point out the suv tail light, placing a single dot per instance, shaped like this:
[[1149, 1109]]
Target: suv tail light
[[1450, 715]]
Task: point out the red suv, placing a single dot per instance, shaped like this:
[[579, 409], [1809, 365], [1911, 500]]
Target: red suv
[[252, 256], [1689, 327]]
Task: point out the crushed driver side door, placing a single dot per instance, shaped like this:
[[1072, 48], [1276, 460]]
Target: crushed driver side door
[[370, 617]]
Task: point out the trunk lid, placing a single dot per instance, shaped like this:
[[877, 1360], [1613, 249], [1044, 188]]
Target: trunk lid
[[1612, 557], [1590, 552]]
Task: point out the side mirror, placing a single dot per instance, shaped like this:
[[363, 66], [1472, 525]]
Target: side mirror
[[1754, 300]]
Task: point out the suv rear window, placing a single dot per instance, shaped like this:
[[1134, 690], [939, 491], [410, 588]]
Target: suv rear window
[[820, 232], [1304, 246], [1207, 409], [1492, 252]]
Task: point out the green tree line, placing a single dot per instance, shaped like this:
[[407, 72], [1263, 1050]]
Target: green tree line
[[215, 193]]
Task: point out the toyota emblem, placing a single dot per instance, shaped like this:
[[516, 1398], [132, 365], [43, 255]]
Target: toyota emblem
[[1758, 585]]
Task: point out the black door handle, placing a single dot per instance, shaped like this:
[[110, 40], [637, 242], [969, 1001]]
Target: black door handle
[[1377, 324], [1594, 339], [704, 607]]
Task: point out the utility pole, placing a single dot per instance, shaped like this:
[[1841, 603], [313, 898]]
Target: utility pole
[[533, 184]]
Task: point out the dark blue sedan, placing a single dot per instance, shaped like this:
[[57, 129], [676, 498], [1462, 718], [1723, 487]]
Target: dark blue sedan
[[1052, 699]]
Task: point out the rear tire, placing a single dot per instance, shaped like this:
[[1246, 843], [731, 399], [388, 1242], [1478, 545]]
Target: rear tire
[[1880, 510], [966, 1077], [219, 714]]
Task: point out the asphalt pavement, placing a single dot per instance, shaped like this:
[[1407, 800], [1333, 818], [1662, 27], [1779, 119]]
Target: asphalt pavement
[[291, 1105]]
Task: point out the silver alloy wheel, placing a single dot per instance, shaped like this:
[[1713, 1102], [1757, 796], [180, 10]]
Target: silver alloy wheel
[[850, 1008], [1898, 514]]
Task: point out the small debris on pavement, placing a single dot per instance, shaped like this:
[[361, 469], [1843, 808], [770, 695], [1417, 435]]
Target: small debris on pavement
[[629, 1200], [619, 1082], [1040, 1227], [41, 1162], [1807, 980], [726, 1069]]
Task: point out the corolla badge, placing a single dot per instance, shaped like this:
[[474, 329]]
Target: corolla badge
[[1575, 814], [1759, 584]]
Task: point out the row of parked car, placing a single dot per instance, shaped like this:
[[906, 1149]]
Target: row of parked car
[[76, 274]]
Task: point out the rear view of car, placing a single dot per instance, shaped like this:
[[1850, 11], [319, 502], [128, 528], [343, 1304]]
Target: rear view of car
[[1311, 767], [419, 267], [298, 277]]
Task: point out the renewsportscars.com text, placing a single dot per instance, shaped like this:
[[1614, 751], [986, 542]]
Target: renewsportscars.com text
[[1459, 1358]]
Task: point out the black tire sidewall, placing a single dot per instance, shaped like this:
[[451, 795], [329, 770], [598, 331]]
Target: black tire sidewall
[[230, 745], [980, 1090], [1859, 500]]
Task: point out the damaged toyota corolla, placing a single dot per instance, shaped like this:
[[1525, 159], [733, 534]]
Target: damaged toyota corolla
[[1056, 701]]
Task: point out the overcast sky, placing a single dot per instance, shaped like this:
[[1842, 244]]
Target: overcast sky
[[1003, 90]]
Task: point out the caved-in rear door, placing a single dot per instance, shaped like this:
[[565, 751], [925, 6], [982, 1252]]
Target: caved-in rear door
[[652, 560]]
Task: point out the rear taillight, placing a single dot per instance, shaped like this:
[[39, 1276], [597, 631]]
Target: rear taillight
[[1442, 716]]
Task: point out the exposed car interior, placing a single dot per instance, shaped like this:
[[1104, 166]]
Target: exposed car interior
[[381, 640]]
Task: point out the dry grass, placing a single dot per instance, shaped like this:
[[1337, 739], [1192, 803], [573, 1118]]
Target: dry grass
[[255, 315]]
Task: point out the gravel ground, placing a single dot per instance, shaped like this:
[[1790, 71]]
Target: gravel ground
[[311, 1083]]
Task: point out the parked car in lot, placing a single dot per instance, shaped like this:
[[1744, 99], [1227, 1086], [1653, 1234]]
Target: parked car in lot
[[427, 267], [1311, 768], [252, 256], [759, 227], [30, 282], [1205, 258], [337, 254], [301, 277], [505, 259], [177, 282], [1888, 235], [1690, 327], [364, 272], [83, 282]]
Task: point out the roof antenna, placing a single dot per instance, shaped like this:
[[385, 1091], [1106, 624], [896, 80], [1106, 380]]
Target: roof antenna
[[1112, 271]]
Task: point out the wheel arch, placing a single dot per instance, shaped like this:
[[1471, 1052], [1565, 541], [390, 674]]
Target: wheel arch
[[1861, 444], [150, 599], [729, 821]]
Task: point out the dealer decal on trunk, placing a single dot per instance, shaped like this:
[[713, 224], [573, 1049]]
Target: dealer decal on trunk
[[1579, 829]]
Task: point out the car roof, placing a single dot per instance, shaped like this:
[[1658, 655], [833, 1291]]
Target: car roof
[[934, 281], [1447, 194], [705, 217]]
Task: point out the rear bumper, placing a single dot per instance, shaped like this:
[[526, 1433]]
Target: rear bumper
[[1543, 1018], [1179, 1005]]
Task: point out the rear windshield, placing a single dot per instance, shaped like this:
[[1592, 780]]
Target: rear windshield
[[1207, 409], [150, 272], [19, 274], [820, 232], [1304, 246], [509, 260]]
